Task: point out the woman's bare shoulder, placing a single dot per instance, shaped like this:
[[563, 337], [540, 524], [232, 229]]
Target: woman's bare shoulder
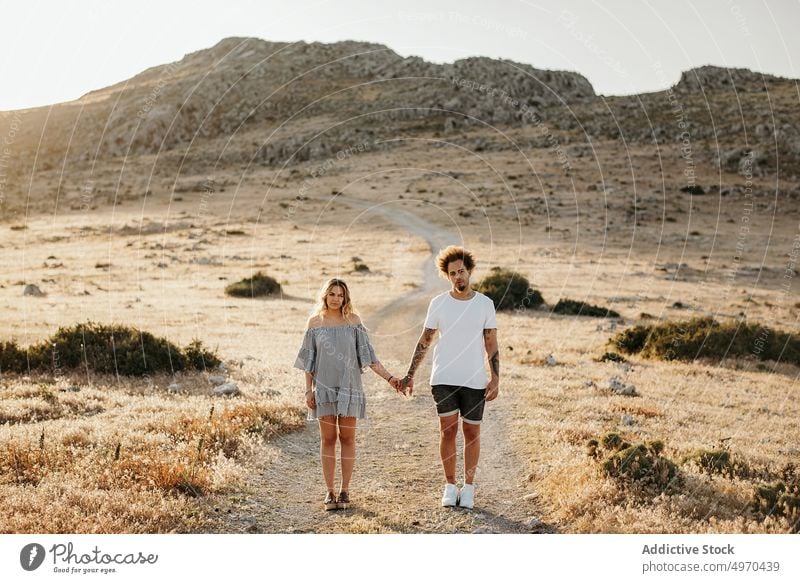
[[313, 322], [354, 319]]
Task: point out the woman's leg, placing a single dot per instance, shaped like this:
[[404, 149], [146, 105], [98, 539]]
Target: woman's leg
[[327, 449], [347, 440]]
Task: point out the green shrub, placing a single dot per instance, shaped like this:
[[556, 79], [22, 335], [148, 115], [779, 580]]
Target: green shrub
[[765, 497], [789, 506], [706, 337], [780, 497], [199, 357], [12, 358], [773, 500], [106, 349], [611, 357], [632, 340], [575, 308], [612, 441], [509, 290], [253, 287], [717, 461], [112, 349], [639, 465]]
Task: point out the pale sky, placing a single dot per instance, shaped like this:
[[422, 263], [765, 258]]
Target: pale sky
[[53, 51]]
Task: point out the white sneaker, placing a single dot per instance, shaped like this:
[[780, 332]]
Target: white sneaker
[[450, 495], [466, 498]]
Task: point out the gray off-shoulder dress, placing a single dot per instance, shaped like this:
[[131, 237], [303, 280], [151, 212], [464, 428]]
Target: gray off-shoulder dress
[[337, 357]]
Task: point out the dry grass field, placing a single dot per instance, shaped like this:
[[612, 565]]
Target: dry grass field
[[81, 452]]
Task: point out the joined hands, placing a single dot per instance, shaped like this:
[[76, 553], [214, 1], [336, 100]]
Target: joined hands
[[407, 385], [404, 386]]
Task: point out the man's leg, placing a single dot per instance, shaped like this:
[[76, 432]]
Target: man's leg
[[472, 449], [472, 405], [448, 431], [447, 407]]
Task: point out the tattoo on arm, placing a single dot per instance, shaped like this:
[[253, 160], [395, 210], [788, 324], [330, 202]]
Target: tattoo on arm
[[421, 350], [494, 362], [490, 338]]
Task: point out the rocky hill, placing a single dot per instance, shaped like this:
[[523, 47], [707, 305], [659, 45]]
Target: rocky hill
[[249, 101], [242, 84]]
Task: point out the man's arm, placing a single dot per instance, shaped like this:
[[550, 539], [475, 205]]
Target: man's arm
[[490, 342], [424, 342]]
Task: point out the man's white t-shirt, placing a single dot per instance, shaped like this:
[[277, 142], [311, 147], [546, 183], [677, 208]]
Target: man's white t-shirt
[[458, 357]]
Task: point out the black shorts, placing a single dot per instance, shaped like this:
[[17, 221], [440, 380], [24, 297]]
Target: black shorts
[[451, 399]]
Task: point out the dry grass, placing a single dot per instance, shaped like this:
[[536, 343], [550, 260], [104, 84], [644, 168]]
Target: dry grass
[[29, 403], [128, 458], [688, 406], [171, 280], [125, 455]]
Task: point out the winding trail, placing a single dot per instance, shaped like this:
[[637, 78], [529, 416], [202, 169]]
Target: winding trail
[[398, 478]]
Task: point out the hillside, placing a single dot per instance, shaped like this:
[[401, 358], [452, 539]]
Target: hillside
[[247, 103]]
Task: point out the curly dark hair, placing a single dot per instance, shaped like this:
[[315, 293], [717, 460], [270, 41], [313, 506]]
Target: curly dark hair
[[454, 253]]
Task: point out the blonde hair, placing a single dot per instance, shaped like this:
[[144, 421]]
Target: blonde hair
[[321, 306]]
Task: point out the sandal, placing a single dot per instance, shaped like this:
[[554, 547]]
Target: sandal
[[344, 501], [330, 501]]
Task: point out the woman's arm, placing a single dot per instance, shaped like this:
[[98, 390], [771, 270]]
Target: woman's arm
[[310, 400], [378, 369]]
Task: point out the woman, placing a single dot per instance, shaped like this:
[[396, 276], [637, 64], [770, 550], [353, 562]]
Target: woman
[[335, 351]]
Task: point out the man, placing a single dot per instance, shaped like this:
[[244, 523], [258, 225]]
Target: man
[[467, 326]]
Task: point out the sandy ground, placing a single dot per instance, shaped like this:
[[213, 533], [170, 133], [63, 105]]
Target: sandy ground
[[398, 481], [162, 264]]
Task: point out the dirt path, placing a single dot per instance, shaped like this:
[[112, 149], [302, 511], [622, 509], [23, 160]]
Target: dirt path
[[397, 481]]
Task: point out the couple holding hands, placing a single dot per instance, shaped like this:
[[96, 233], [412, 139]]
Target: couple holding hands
[[336, 349]]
